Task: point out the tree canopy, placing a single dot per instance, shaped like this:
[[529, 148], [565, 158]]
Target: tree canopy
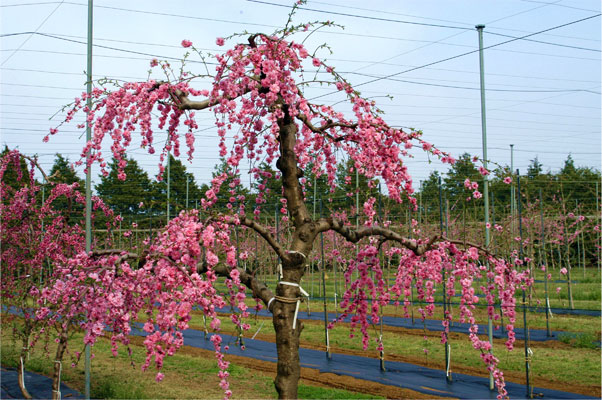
[[263, 116]]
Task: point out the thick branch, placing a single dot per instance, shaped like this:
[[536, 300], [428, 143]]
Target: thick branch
[[264, 233], [355, 235], [468, 244], [322, 129], [288, 165], [259, 289], [35, 163], [184, 103]]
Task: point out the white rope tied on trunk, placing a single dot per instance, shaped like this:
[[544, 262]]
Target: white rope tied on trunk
[[297, 252], [303, 292]]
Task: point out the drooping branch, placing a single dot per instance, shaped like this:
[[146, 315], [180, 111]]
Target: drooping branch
[[464, 243], [322, 129], [108, 252], [355, 235], [34, 161], [184, 103]]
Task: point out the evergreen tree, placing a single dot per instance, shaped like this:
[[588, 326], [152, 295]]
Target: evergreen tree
[[124, 197], [179, 179], [270, 187], [348, 185], [11, 176], [62, 172], [231, 188], [462, 169]]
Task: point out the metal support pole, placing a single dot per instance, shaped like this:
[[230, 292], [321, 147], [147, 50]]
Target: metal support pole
[[380, 258], [512, 196], [87, 356], [448, 377], [168, 183], [276, 221], [526, 327], [485, 181], [357, 198], [326, 337], [187, 180], [599, 216], [543, 262]]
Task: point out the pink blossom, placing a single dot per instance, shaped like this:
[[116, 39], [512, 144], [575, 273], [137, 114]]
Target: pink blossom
[[508, 180], [220, 41], [563, 271], [186, 43]]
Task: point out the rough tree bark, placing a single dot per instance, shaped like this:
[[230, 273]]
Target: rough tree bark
[[287, 338]]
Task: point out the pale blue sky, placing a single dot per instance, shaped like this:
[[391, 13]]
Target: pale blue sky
[[542, 97]]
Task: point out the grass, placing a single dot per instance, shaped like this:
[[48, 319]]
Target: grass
[[586, 290], [577, 364], [186, 375]]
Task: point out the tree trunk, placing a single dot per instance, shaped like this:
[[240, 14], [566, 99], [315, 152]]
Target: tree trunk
[[287, 342], [60, 350], [21, 369]]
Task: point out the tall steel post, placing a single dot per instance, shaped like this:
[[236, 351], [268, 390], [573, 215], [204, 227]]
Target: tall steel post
[[168, 182], [544, 262], [528, 352], [448, 376], [485, 180], [512, 200], [88, 179]]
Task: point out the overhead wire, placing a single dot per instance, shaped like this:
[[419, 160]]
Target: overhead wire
[[544, 42], [533, 89], [467, 53], [27, 39], [329, 12]]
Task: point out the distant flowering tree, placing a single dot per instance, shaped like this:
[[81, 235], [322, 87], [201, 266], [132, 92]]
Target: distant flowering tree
[[38, 236], [262, 115]]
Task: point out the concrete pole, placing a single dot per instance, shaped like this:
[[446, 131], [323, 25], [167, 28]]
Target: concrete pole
[[87, 357], [448, 376], [168, 183], [485, 180], [512, 200]]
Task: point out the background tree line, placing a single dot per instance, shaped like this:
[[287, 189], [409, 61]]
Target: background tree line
[[572, 187]]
